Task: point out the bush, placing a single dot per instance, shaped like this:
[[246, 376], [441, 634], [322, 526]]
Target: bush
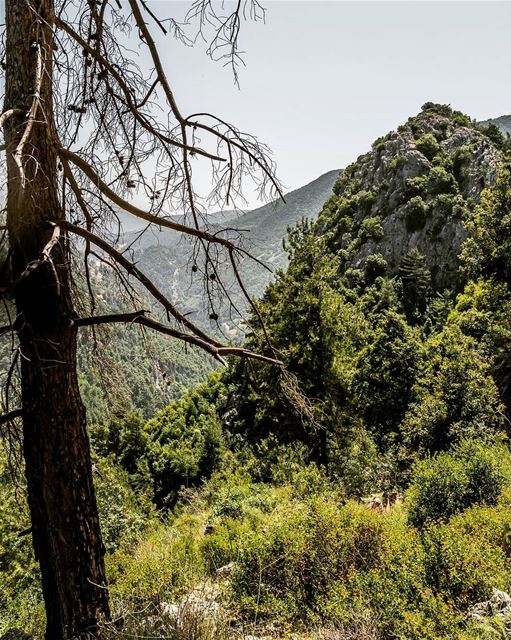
[[365, 200], [463, 568], [416, 186], [166, 564], [446, 205], [394, 591], [488, 249], [374, 266], [428, 145], [123, 514], [443, 160], [440, 109], [416, 213], [285, 570], [371, 228], [492, 525], [20, 592], [441, 181], [450, 482], [395, 163]]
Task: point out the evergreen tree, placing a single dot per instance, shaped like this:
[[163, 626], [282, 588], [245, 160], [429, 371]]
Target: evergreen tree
[[416, 279], [487, 251]]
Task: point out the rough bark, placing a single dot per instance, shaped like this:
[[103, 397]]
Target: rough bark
[[61, 495]]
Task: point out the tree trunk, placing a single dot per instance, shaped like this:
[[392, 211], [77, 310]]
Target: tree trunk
[[61, 497]]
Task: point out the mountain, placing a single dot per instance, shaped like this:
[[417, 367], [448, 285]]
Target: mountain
[[165, 255], [502, 122], [365, 316], [412, 191]]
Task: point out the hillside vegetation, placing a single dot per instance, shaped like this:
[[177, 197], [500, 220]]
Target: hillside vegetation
[[139, 371], [361, 491]]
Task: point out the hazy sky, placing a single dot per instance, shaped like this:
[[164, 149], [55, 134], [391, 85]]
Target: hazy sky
[[324, 79]]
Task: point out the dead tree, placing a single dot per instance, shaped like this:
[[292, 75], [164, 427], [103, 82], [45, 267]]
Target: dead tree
[[84, 127]]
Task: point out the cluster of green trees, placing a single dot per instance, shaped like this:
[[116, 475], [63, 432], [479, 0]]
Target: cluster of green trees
[[391, 387], [382, 368]]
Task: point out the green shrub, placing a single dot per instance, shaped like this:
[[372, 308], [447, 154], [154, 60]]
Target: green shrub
[[371, 228], [347, 207], [461, 119], [488, 248], [276, 462], [441, 181], [492, 525], [365, 200], [395, 163], [166, 564], [440, 109], [461, 161], [285, 571], [374, 267], [463, 568], [394, 591], [443, 160], [379, 143], [225, 540], [428, 145], [444, 204], [416, 213], [416, 186], [20, 592], [123, 513], [450, 482]]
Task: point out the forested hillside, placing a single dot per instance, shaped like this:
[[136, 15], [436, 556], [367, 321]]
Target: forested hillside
[[361, 489], [133, 370]]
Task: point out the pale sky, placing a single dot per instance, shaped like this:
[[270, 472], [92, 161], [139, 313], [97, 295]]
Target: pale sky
[[324, 79]]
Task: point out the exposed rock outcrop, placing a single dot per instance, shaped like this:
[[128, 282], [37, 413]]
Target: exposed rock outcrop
[[412, 190]]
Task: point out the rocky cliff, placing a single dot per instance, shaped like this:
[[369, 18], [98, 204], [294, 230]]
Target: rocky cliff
[[412, 191]]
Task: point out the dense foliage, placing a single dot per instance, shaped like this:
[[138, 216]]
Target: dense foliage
[[366, 486]]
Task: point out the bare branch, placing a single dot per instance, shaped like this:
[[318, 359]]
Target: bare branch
[[156, 60], [45, 256], [133, 270], [31, 116], [139, 317], [8, 114], [10, 416], [128, 97], [135, 211]]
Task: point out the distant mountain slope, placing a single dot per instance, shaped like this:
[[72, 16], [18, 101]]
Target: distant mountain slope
[[145, 370], [267, 226], [165, 255], [502, 122]]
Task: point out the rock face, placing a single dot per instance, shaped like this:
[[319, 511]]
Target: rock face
[[412, 191]]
